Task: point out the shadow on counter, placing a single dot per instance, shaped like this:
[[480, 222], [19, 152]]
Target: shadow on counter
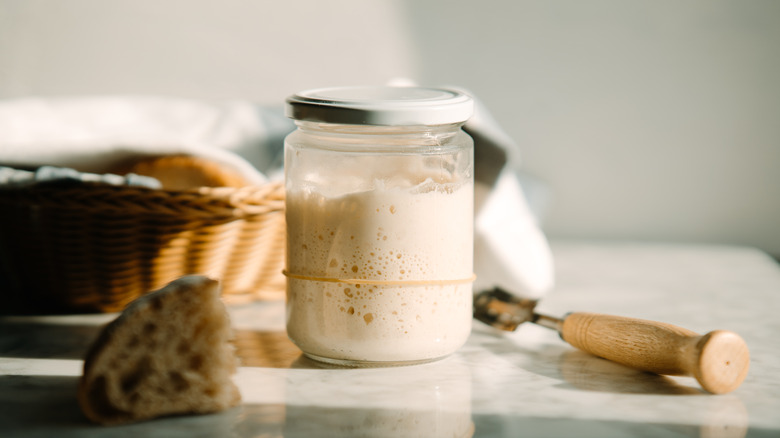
[[41, 340], [579, 370]]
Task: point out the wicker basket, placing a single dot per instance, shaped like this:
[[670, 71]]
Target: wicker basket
[[95, 248]]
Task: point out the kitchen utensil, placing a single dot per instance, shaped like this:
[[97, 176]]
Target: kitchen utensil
[[719, 360]]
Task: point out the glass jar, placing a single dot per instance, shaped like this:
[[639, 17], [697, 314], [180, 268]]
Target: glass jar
[[379, 208]]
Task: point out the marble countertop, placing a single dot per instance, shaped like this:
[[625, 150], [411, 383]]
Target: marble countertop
[[524, 383]]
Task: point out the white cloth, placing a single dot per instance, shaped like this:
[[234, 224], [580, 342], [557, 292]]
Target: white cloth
[[510, 249], [92, 134], [12, 178]]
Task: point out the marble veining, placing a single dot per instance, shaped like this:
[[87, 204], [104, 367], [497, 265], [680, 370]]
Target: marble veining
[[525, 383]]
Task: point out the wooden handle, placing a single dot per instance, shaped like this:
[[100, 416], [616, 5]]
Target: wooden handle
[[719, 360]]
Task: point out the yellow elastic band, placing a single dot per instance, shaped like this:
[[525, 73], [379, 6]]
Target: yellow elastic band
[[380, 282]]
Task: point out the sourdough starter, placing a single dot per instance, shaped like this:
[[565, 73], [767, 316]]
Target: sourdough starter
[[412, 232]]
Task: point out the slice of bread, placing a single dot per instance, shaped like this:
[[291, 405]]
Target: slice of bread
[[168, 353]]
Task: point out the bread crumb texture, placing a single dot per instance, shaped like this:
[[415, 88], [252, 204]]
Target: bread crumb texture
[[168, 353]]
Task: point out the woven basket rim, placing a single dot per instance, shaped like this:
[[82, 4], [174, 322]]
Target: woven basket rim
[[207, 202]]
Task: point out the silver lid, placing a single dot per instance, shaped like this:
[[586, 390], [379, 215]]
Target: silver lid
[[388, 106]]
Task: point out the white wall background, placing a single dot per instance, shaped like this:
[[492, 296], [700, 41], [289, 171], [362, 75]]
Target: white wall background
[[652, 120]]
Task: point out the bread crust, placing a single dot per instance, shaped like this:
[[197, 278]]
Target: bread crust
[[184, 172], [167, 353]]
